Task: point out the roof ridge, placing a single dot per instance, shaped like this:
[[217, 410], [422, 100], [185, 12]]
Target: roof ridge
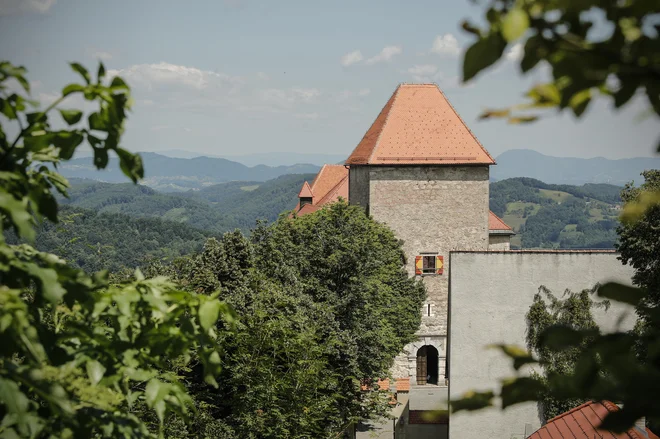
[[465, 125], [303, 194], [317, 176], [387, 118], [332, 191]]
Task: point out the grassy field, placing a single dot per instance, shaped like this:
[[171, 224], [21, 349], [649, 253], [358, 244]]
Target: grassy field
[[556, 196]]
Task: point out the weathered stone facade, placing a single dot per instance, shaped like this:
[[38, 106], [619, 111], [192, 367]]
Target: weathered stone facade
[[434, 210], [499, 242]]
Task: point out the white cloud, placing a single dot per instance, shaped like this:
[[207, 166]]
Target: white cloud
[[445, 45], [515, 53], [288, 98], [351, 58], [164, 74], [263, 76], [102, 55], [11, 7], [385, 55], [364, 92], [424, 73]]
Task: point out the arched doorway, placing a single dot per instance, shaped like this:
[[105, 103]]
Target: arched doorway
[[427, 365]]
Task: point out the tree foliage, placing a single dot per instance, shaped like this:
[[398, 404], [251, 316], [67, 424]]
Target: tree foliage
[[584, 64], [323, 306], [593, 48], [79, 354], [574, 311]]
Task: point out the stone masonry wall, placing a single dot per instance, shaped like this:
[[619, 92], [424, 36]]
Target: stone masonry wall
[[499, 242], [432, 209]]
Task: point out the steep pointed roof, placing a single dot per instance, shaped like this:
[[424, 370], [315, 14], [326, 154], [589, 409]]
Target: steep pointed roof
[[306, 191], [495, 224], [417, 126], [329, 184]]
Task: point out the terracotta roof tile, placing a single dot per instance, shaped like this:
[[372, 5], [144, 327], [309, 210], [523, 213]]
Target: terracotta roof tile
[[306, 191], [403, 384], [582, 423], [329, 184], [418, 125], [496, 223]]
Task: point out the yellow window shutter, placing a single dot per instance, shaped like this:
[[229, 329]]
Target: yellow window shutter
[[439, 264], [418, 265]]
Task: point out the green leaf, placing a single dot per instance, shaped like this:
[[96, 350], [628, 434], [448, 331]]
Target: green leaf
[[101, 73], [130, 164], [209, 312], [18, 214], [95, 371], [72, 88], [520, 356], [47, 279], [580, 101], [522, 119], [482, 54], [620, 421], [71, 116], [82, 71], [625, 92], [472, 401], [621, 293], [533, 52], [520, 390], [514, 24], [560, 337]]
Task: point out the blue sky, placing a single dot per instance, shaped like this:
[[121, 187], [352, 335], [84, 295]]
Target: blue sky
[[244, 76]]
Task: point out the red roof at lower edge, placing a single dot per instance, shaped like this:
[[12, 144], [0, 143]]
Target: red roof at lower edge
[[582, 423]]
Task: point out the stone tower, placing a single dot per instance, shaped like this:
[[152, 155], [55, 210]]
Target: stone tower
[[420, 170]]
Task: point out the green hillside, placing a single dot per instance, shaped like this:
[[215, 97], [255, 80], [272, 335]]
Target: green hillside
[[216, 208], [557, 216], [113, 225], [96, 241]]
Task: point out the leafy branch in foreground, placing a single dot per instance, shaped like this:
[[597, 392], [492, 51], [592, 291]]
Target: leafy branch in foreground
[[593, 47], [77, 354], [606, 368]]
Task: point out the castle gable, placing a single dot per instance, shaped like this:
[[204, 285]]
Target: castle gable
[[419, 126]]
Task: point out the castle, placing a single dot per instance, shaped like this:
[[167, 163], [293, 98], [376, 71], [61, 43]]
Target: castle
[[420, 170]]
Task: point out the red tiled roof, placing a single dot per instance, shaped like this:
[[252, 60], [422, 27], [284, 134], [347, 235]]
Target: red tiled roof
[[496, 223], [329, 184], [402, 385], [582, 423], [418, 125], [306, 191]]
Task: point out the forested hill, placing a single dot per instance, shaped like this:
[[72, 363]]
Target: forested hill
[[557, 216], [110, 225], [96, 241], [217, 208]]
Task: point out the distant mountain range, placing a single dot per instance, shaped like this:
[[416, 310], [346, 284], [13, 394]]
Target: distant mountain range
[[169, 174], [172, 174], [271, 158], [567, 170]]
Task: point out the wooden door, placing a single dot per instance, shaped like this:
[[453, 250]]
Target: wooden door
[[421, 366]]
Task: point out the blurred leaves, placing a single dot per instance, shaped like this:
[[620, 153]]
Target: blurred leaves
[[75, 350], [557, 34]]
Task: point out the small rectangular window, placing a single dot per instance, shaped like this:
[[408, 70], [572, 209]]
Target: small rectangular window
[[428, 264]]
